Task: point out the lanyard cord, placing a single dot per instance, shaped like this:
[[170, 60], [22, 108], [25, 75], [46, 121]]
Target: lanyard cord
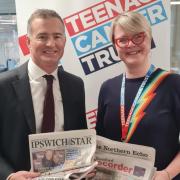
[[125, 123]]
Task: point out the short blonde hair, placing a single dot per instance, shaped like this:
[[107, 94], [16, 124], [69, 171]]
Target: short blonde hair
[[131, 22]]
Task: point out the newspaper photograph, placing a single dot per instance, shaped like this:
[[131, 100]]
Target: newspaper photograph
[[123, 161], [56, 152], [75, 174]]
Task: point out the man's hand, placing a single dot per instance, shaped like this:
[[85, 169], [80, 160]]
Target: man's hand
[[23, 175]]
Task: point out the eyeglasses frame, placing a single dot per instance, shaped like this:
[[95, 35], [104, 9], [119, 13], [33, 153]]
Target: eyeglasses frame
[[130, 39]]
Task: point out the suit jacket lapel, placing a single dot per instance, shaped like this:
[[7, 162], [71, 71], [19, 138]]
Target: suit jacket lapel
[[23, 92], [64, 94]]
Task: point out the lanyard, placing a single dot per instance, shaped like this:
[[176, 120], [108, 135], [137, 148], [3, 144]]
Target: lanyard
[[125, 124]]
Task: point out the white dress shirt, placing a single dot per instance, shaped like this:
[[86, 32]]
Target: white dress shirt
[[38, 86]]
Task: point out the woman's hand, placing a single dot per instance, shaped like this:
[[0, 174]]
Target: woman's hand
[[161, 175]]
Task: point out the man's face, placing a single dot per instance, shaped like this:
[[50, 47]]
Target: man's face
[[46, 42]]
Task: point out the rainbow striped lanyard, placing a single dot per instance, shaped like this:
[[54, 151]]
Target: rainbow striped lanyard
[[125, 123]]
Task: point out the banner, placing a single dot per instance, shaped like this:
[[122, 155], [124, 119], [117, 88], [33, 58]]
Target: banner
[[89, 52]]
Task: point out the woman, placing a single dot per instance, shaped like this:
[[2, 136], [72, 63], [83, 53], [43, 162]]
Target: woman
[[142, 105], [47, 162], [58, 158]]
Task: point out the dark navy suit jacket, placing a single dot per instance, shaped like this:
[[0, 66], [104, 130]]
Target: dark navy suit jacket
[[17, 118]]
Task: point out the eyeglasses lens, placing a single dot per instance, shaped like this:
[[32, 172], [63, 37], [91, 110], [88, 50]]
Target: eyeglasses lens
[[137, 39]]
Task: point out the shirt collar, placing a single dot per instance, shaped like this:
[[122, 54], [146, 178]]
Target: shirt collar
[[35, 72]]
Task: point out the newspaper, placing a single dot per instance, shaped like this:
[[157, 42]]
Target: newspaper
[[66, 153], [76, 174], [123, 161]]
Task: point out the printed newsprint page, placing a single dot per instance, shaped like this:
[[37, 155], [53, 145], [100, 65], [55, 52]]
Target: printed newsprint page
[[61, 154], [123, 161]]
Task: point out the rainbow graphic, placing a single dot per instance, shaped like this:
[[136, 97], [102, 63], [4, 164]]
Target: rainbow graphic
[[146, 97]]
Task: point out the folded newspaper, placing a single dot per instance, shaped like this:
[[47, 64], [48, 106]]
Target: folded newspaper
[[61, 155], [123, 161]]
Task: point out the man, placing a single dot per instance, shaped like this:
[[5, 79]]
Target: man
[[23, 89]]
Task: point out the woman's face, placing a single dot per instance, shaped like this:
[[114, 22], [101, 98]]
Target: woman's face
[[132, 54], [56, 158]]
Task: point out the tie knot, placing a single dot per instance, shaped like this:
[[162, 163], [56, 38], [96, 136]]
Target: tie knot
[[49, 78]]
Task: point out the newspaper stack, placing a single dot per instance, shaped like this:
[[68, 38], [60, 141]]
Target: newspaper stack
[[61, 155], [123, 161]]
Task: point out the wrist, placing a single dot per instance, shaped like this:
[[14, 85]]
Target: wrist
[[168, 174]]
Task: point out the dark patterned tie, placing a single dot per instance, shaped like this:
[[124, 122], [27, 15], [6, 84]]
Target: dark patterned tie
[[48, 111]]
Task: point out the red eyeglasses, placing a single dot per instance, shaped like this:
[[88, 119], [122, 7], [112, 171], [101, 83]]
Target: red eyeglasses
[[123, 42]]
